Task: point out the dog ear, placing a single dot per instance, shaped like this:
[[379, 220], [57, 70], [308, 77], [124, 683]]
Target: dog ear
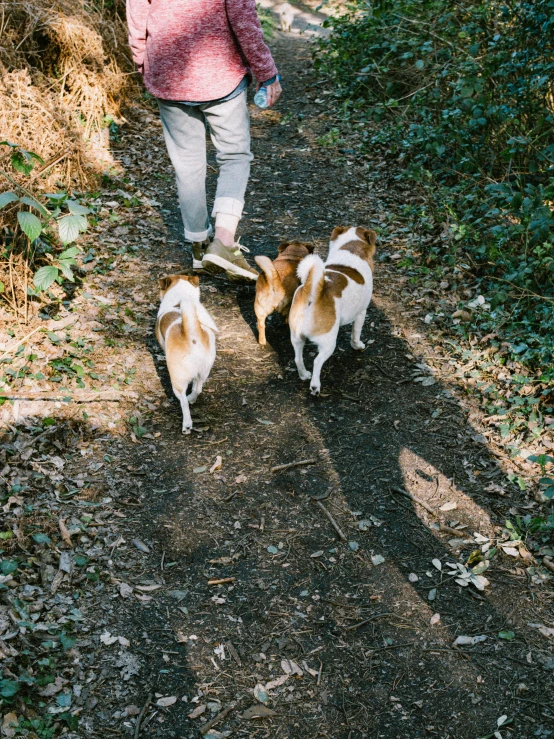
[[338, 231], [366, 234], [282, 246], [310, 248], [193, 279], [164, 283]]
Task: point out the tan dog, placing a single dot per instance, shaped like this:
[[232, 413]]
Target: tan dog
[[186, 332], [332, 294], [276, 285]]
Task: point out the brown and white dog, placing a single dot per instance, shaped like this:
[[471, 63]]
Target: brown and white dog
[[186, 332], [276, 285], [332, 294]]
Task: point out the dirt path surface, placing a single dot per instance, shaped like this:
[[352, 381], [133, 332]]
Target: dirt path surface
[[232, 591]]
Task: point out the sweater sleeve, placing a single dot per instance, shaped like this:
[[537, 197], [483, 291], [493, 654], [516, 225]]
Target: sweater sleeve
[[246, 26], [137, 16]]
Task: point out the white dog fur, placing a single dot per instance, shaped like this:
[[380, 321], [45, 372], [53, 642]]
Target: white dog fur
[[286, 16], [186, 332], [332, 294]]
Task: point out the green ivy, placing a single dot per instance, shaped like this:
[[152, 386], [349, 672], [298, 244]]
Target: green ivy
[[462, 97]]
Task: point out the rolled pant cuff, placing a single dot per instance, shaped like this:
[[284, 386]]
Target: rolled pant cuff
[[230, 206], [197, 236]]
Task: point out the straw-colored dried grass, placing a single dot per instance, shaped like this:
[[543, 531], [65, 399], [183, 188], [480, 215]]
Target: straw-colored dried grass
[[65, 70]]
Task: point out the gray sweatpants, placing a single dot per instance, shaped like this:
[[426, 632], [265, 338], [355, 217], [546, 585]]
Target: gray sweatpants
[[184, 128]]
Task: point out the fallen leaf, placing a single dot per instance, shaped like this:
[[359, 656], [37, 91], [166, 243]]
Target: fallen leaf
[[377, 559], [277, 682], [125, 590], [217, 464], [450, 506], [198, 711], [258, 712], [167, 701], [435, 618], [66, 536], [438, 564], [260, 693], [10, 724]]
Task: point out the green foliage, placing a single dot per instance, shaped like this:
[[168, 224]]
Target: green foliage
[[267, 21], [60, 218], [462, 97]]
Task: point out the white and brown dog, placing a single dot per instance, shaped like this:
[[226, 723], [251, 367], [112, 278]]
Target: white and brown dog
[[332, 294], [276, 285], [186, 332]]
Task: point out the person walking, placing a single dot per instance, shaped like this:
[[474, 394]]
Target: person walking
[[197, 58]]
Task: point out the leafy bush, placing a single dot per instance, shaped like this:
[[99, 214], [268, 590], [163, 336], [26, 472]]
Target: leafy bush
[[33, 229], [463, 95]]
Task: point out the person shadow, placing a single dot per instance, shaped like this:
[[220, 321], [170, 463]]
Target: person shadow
[[417, 488]]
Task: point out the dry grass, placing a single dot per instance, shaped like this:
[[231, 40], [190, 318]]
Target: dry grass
[[65, 70]]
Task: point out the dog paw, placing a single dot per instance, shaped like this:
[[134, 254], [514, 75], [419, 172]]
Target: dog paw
[[187, 429], [315, 389], [304, 374], [358, 345]]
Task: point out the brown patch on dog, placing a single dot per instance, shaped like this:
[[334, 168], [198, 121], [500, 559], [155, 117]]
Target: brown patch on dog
[[348, 271], [167, 282], [330, 286], [163, 323], [277, 283], [338, 231]]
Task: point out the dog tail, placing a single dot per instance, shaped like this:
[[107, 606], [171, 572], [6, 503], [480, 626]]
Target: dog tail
[[310, 273], [266, 265]]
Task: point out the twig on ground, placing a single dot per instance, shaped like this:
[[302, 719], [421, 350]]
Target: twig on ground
[[548, 563], [389, 646], [453, 532], [300, 463], [142, 714], [334, 524], [420, 502], [216, 719], [221, 580], [381, 370], [368, 620]]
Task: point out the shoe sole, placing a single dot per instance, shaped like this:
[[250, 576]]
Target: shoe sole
[[197, 264], [214, 264]]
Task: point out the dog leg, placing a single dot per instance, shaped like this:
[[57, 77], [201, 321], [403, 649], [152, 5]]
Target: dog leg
[[187, 420], [357, 326], [261, 330], [325, 351], [298, 345], [195, 392]]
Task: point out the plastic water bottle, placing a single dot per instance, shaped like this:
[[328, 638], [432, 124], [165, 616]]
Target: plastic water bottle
[[260, 98]]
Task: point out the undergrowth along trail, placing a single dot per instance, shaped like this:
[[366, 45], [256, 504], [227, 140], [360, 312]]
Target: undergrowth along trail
[[184, 576]]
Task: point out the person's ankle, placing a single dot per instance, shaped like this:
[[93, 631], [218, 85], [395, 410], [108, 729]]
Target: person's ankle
[[226, 237]]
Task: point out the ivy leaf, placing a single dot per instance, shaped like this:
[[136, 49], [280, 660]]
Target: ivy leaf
[[507, 635], [29, 224], [45, 276], [6, 198], [7, 566], [41, 538], [70, 226], [9, 688], [66, 641]]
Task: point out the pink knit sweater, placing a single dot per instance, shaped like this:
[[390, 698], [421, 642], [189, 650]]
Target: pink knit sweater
[[197, 50]]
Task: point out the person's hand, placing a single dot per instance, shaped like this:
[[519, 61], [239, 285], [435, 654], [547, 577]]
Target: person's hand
[[273, 92]]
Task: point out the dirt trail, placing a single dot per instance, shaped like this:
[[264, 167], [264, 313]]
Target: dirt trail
[[338, 634]]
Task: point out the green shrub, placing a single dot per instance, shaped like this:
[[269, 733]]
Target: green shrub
[[463, 97]]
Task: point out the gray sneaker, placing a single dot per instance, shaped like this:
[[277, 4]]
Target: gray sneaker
[[198, 251], [220, 258]]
